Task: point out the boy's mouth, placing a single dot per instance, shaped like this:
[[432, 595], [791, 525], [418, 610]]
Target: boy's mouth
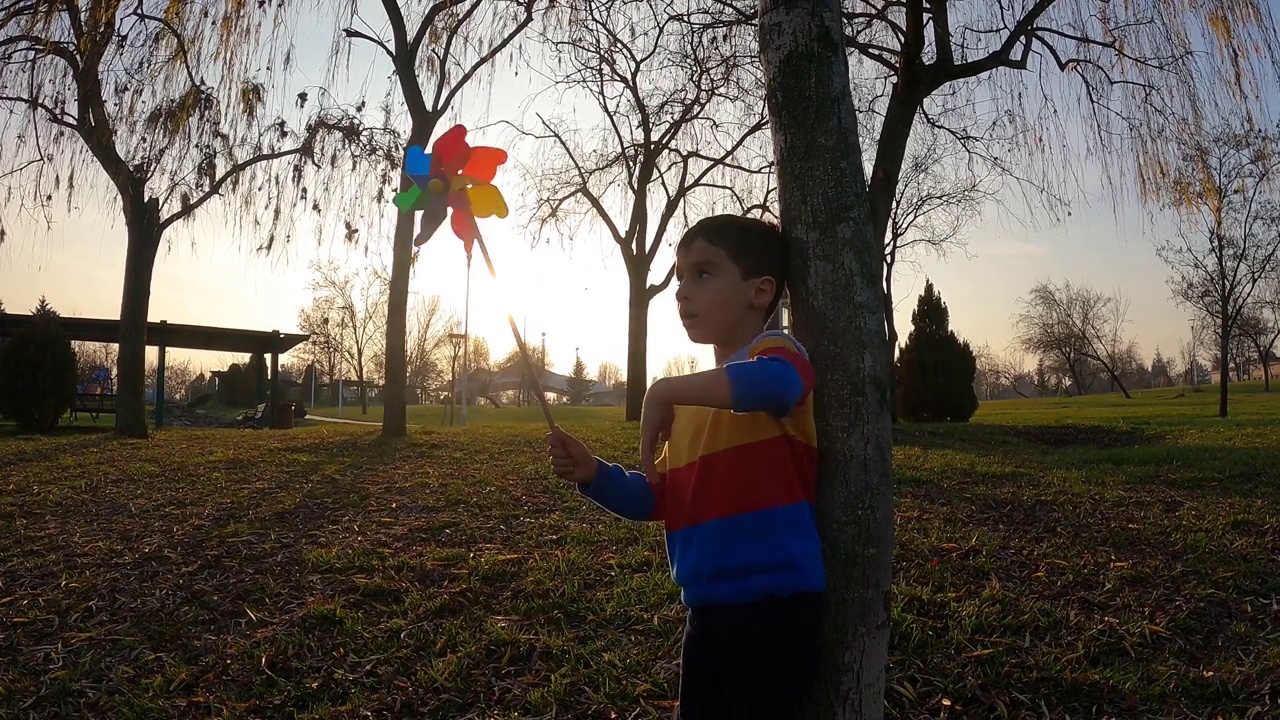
[[686, 316]]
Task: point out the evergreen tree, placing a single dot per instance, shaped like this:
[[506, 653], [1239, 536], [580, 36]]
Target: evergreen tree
[[579, 383], [44, 309], [1042, 377], [1160, 374], [935, 368]]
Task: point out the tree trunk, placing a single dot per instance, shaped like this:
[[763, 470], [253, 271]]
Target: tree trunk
[[395, 372], [891, 328], [836, 276], [1224, 368], [637, 341], [1116, 382], [142, 221]]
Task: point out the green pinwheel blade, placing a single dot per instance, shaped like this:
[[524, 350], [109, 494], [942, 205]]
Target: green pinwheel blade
[[408, 199]]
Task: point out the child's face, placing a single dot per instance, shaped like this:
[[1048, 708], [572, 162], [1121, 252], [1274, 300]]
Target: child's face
[[718, 307]]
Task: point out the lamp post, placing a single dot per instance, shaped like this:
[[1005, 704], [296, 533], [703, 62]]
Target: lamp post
[[466, 348]]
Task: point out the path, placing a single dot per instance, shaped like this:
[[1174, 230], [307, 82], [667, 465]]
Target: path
[[345, 421]]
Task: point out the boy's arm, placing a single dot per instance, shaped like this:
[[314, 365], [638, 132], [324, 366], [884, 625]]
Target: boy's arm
[[627, 493], [775, 378]]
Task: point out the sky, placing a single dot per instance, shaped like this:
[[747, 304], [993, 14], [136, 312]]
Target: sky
[[573, 289]]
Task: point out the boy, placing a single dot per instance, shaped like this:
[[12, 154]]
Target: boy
[[734, 487]]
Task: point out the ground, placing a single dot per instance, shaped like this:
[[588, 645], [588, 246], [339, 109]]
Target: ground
[[1056, 558]]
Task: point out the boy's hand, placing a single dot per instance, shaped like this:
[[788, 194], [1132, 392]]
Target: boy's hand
[[570, 458], [655, 425]]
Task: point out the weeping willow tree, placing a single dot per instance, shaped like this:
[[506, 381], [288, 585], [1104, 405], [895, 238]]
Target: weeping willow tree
[[165, 107], [435, 50], [1046, 92]]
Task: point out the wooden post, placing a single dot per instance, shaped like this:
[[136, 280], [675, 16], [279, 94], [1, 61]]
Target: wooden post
[[274, 405], [160, 350]]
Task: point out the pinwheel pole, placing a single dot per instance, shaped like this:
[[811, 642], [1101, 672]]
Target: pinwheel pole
[[515, 331], [458, 177]]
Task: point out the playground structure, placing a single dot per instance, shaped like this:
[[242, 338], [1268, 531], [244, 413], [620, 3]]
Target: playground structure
[[164, 335]]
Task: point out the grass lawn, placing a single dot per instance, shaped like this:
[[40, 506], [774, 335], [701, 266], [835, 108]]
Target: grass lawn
[[1124, 565]]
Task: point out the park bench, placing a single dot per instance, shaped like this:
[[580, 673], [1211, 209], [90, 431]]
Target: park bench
[[95, 404], [252, 419]]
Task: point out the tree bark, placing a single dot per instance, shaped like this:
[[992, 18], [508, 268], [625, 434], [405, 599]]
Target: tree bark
[[837, 265], [142, 222], [637, 340], [395, 372], [891, 342]]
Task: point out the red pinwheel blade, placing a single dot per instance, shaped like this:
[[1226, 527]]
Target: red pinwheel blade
[[450, 152]]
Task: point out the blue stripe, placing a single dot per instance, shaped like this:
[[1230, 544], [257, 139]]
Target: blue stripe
[[764, 384], [625, 494], [747, 557]]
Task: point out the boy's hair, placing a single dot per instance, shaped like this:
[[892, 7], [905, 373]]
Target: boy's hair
[[756, 246]]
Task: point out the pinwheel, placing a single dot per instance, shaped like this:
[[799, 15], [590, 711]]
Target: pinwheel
[[459, 177]]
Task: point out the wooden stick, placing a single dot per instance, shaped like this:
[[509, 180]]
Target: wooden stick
[[524, 351]]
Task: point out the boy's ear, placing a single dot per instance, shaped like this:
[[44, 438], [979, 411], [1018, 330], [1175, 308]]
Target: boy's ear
[[763, 292]]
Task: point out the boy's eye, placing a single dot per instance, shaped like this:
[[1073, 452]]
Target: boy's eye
[[704, 273]]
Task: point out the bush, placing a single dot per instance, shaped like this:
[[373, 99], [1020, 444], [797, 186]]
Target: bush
[[37, 376], [935, 368]]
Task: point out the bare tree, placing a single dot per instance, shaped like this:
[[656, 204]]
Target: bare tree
[[609, 374], [1227, 199], [178, 374], [678, 134], [999, 375], [429, 327], [354, 305], [437, 49], [322, 348], [837, 275], [173, 102], [96, 363], [680, 365], [1011, 84], [1076, 321], [1266, 327]]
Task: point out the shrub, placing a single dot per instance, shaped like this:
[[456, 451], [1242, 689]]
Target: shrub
[[37, 375]]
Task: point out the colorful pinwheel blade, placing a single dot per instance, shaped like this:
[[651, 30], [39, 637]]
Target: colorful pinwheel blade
[[486, 201], [483, 163], [461, 219], [408, 199], [450, 151], [417, 164]]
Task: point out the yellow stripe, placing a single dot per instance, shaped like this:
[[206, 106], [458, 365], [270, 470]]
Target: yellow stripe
[[772, 341], [697, 431]]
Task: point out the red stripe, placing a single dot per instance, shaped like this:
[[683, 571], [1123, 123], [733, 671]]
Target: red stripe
[[745, 478], [797, 361]]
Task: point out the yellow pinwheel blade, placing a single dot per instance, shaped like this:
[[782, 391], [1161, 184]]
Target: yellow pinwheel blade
[[486, 200]]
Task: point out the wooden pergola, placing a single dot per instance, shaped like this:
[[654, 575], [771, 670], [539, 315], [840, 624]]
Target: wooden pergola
[[164, 335]]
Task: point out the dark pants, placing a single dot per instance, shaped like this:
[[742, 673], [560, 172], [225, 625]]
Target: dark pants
[[756, 660]]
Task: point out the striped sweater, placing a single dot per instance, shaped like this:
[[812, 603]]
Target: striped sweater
[[736, 487]]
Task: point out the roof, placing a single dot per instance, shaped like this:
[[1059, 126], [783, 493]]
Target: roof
[[171, 335]]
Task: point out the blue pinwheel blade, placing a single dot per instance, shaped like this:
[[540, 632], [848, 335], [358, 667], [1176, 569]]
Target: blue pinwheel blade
[[417, 164]]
